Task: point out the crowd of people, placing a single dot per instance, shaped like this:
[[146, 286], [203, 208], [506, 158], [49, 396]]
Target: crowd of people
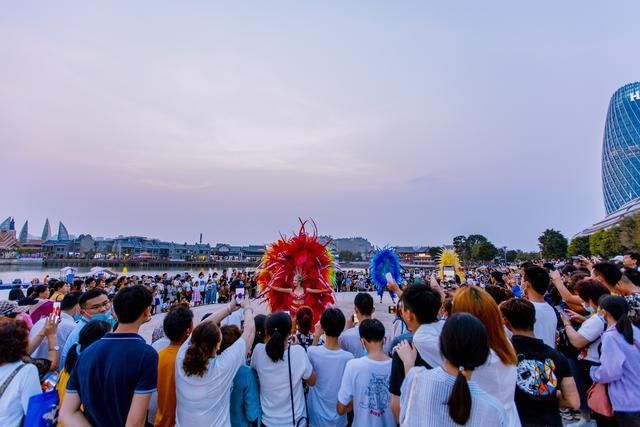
[[536, 344], [166, 290]]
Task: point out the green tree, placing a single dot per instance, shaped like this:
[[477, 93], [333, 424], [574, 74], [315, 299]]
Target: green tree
[[606, 243], [483, 251], [595, 242], [461, 247], [553, 244], [527, 256], [628, 232], [512, 255], [611, 245], [347, 256], [579, 246]]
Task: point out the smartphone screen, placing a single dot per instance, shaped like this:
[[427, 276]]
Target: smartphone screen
[[56, 310], [560, 308], [449, 273], [239, 295], [355, 318]]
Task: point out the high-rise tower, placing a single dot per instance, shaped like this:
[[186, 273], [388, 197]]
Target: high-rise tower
[[621, 149]]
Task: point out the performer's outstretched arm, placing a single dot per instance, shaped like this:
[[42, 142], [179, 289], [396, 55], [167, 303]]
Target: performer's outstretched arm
[[275, 288], [317, 291]]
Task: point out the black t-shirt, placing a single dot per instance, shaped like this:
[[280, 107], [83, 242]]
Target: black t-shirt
[[541, 369], [397, 370]]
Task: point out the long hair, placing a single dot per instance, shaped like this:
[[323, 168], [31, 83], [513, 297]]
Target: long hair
[[304, 320], [479, 302], [618, 308], [259, 321], [278, 326], [204, 339], [90, 333], [463, 342]]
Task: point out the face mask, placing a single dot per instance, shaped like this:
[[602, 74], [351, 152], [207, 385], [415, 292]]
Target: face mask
[[589, 309], [107, 317], [77, 317]]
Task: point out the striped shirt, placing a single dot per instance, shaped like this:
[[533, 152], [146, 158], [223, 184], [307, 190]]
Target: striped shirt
[[423, 402]]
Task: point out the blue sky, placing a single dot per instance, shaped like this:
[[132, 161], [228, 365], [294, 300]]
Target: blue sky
[[404, 122]]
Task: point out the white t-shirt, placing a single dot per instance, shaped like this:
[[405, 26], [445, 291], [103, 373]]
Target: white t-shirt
[[234, 318], [205, 401], [427, 342], [366, 383], [499, 381], [546, 323], [66, 325], [592, 329], [15, 399], [350, 341], [161, 343], [275, 396], [323, 396]]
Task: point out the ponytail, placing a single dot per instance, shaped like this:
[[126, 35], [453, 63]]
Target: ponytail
[[460, 399], [90, 333], [618, 308], [463, 343], [278, 326], [204, 339], [623, 325], [72, 357], [275, 346]]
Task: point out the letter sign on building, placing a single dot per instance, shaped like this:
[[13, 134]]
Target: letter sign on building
[[634, 96]]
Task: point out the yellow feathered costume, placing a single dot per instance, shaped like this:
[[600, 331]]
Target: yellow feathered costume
[[450, 257]]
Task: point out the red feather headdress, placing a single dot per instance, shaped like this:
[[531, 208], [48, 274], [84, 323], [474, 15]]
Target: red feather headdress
[[300, 255]]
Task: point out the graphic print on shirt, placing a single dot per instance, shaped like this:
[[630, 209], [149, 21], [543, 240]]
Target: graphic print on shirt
[[376, 395], [537, 378]]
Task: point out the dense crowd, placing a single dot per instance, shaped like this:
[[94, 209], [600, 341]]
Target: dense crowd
[[534, 345]]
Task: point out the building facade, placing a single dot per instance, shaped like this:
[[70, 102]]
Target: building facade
[[621, 149]]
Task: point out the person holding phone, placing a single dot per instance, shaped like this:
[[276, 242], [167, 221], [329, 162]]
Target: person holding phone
[[281, 369], [204, 376], [69, 310]]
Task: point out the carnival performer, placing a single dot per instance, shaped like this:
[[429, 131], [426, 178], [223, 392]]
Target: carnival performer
[[385, 261], [297, 271]]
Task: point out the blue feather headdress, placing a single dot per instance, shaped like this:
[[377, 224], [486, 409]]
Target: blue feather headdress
[[385, 261]]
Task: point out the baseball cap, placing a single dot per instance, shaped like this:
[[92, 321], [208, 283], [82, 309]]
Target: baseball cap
[[10, 307]]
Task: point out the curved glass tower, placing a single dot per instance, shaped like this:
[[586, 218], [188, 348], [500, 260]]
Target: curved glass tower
[[621, 149]]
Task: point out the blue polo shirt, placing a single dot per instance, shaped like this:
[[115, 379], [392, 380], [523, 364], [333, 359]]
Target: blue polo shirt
[[109, 372]]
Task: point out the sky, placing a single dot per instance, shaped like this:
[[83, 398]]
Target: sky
[[407, 123]]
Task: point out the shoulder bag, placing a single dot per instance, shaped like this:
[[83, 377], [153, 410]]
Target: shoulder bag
[[304, 421]]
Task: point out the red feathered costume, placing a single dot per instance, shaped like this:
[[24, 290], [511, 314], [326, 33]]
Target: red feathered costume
[[297, 271]]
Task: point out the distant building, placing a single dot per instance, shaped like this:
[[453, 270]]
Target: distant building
[[7, 224], [414, 255], [63, 234], [223, 251], [620, 158], [24, 233], [46, 231], [355, 245]]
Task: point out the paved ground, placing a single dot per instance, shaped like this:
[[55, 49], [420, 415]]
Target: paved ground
[[344, 302]]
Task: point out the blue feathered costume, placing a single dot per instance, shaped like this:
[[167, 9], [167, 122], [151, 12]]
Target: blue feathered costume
[[385, 261]]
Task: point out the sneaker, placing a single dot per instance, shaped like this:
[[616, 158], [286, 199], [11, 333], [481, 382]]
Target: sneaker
[[566, 415]]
